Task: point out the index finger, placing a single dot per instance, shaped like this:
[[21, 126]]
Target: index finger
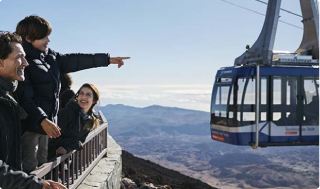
[[124, 57]]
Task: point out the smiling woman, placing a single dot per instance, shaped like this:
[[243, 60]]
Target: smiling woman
[[76, 121]]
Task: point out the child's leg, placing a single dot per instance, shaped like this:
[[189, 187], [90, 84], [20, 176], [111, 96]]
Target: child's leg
[[30, 143], [42, 150]]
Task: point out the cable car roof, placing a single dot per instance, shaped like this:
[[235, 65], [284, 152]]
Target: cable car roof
[[268, 71]]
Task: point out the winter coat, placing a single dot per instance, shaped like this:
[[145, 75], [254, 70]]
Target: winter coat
[[11, 176], [72, 122], [41, 88], [65, 96]]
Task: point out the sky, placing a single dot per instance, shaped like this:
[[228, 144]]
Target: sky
[[176, 47]]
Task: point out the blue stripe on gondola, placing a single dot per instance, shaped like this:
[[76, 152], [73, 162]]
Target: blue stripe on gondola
[[263, 126], [266, 70], [249, 138]]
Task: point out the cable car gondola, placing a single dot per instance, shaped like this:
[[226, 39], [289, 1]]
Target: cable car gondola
[[268, 98]]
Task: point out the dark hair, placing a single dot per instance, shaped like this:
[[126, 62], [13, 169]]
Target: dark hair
[[66, 81], [5, 39], [34, 27], [94, 119]]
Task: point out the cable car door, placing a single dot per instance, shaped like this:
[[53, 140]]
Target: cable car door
[[310, 109], [285, 109], [293, 110]]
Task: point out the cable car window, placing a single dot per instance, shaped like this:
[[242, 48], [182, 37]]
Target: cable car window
[[311, 102], [284, 98], [219, 106], [241, 84], [220, 113], [263, 116], [230, 114], [249, 116], [277, 90], [224, 80], [277, 115], [263, 88], [231, 97], [250, 93], [222, 95], [310, 89]]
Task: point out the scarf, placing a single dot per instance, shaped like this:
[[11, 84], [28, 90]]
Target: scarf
[[5, 88]]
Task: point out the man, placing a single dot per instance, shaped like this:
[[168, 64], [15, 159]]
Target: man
[[12, 65]]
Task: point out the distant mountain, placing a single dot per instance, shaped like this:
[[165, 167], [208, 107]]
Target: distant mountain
[[155, 120], [179, 139]]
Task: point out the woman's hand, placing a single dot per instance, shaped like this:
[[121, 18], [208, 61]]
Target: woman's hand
[[61, 151], [49, 184], [118, 60]]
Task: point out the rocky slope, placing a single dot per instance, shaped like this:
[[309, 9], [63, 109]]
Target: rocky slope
[[140, 173]]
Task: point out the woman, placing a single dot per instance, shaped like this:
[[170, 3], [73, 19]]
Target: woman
[[76, 121]]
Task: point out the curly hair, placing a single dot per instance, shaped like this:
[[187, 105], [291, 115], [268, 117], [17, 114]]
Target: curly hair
[[34, 27], [5, 39]]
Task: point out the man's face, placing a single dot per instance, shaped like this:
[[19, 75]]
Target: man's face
[[12, 68], [41, 44]]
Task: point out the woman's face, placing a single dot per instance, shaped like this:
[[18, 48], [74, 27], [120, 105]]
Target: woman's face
[[85, 99]]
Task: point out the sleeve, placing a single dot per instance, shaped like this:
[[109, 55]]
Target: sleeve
[[71, 144], [35, 113], [9, 178], [76, 62], [68, 139]]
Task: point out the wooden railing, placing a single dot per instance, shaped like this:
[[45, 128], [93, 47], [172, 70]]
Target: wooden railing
[[72, 168]]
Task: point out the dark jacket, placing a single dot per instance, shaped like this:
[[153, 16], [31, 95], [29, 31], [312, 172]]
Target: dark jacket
[[11, 176], [72, 122], [41, 87], [65, 96]]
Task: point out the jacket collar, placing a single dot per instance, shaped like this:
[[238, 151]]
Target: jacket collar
[[73, 104], [6, 86], [33, 52]]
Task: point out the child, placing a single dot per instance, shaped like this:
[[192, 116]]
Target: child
[[40, 96]]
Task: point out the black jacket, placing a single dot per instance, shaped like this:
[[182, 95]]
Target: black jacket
[[65, 96], [72, 122], [41, 88], [11, 176]]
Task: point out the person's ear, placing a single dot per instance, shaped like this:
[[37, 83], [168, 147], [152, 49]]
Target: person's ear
[[28, 40], [1, 63]]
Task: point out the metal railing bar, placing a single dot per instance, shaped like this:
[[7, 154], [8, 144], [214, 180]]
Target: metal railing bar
[[87, 171]]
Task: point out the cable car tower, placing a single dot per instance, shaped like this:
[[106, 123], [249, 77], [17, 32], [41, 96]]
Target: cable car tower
[[270, 98]]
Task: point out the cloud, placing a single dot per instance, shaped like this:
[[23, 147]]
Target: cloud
[[183, 96]]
